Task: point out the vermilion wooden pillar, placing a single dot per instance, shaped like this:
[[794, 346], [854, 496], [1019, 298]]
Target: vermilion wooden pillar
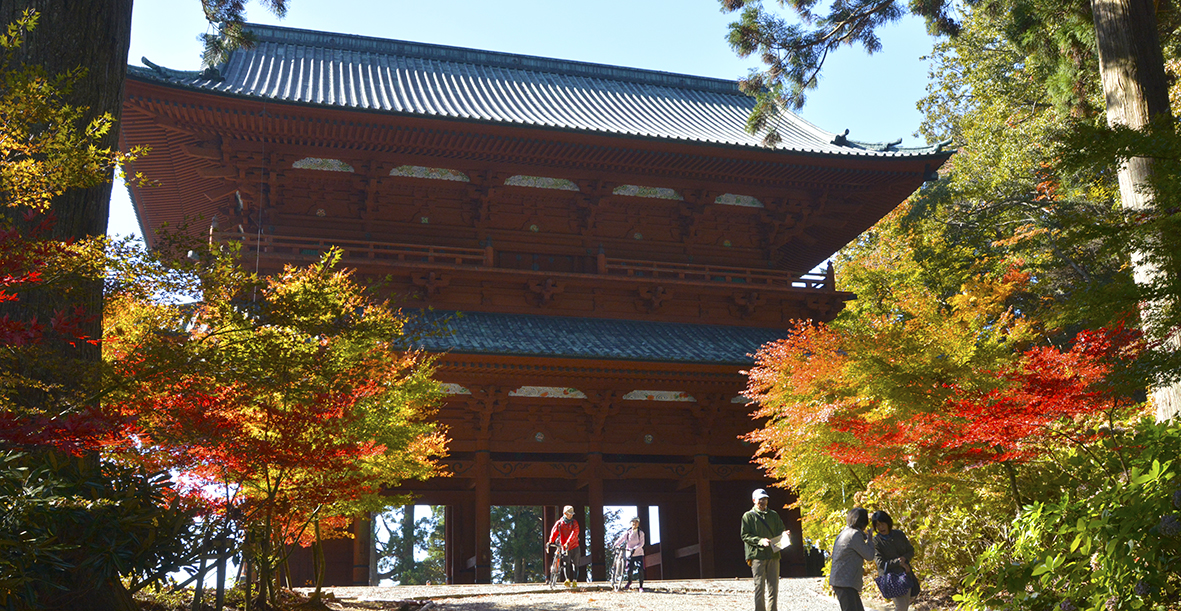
[[483, 518], [705, 522], [598, 565], [362, 544], [461, 541], [650, 572], [448, 543]]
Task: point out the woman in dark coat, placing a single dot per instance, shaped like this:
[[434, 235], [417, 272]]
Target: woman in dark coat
[[892, 552]]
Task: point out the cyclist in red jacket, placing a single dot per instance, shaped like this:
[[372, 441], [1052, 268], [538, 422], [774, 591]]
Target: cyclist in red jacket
[[565, 534]]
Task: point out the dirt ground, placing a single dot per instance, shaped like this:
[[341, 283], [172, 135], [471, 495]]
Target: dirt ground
[[795, 594], [714, 594]]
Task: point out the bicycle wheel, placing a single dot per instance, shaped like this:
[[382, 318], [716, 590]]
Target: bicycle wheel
[[554, 569], [618, 569]]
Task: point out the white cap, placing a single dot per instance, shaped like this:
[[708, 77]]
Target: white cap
[[568, 509], [758, 494]]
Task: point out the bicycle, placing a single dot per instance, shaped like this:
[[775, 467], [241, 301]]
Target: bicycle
[[618, 568], [556, 568]]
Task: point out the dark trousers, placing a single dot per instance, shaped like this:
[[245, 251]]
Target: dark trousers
[[849, 599], [570, 565], [766, 574], [635, 563]]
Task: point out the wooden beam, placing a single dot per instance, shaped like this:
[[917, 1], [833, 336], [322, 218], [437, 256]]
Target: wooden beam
[[218, 172], [220, 192], [203, 150]]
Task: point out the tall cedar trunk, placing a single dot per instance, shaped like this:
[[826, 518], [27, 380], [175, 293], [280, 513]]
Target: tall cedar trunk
[[93, 34], [519, 569], [1132, 69]]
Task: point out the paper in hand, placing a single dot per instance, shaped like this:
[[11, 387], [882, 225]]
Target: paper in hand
[[782, 541]]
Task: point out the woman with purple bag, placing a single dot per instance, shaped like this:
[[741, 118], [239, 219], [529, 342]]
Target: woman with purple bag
[[892, 555]]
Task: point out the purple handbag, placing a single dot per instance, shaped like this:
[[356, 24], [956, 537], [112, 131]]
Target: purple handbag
[[893, 585]]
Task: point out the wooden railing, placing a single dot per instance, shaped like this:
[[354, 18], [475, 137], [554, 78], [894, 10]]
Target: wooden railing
[[312, 248], [715, 273], [364, 249]]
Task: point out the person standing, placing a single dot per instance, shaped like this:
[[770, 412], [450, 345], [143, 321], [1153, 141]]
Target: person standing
[[565, 534], [892, 552], [849, 554], [759, 526], [631, 543]]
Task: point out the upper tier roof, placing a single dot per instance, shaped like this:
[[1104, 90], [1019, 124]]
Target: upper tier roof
[[592, 338], [373, 74]]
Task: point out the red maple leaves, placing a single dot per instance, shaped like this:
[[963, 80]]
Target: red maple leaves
[[1048, 396]]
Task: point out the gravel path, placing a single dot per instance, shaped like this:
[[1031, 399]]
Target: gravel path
[[796, 594]]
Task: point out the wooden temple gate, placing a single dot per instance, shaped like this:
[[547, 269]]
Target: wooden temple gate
[[606, 246]]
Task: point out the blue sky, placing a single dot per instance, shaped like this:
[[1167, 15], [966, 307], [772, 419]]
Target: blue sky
[[872, 96]]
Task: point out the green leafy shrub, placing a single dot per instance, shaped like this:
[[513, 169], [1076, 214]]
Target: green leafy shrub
[[1111, 542]]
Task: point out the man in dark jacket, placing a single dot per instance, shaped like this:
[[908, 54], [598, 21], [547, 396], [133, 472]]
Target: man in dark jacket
[[759, 527]]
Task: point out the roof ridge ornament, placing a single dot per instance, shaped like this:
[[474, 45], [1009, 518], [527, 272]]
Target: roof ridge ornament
[[208, 74]]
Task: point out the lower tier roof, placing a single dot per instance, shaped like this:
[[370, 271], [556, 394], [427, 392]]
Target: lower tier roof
[[590, 338]]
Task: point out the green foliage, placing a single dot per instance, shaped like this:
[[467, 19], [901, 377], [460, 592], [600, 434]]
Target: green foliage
[[302, 402], [1110, 541], [72, 522], [1005, 196], [46, 148], [517, 535], [795, 52], [66, 514], [396, 548], [1152, 235], [914, 341], [227, 19]]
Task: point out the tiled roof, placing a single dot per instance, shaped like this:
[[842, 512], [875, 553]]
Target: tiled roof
[[373, 74], [629, 340]]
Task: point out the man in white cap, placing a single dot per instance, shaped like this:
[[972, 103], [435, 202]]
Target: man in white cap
[[565, 534], [759, 527]]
